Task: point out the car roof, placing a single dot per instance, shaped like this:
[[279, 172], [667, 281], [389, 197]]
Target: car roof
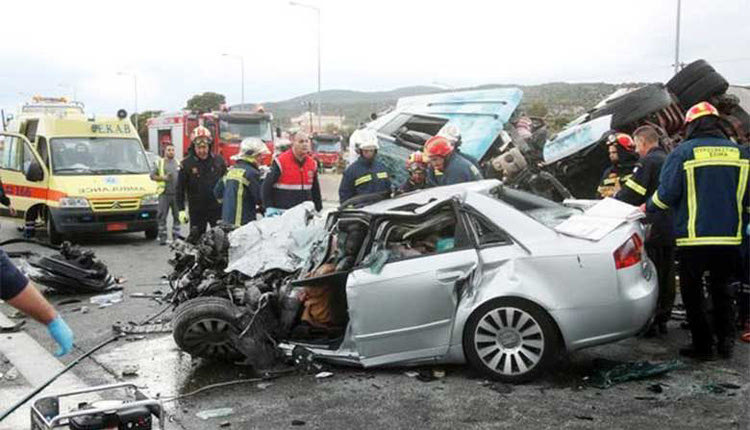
[[422, 201]]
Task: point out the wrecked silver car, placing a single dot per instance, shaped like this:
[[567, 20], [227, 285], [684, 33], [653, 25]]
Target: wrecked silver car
[[466, 273]]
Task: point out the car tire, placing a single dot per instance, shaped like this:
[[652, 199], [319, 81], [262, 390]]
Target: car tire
[[510, 339], [54, 236], [688, 76], [152, 233], [635, 105], [710, 84], [206, 327]]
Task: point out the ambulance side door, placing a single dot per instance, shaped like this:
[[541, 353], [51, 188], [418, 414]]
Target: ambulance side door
[[25, 178]]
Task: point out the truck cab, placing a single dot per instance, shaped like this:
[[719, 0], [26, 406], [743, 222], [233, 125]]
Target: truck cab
[[326, 150], [234, 126], [76, 174]]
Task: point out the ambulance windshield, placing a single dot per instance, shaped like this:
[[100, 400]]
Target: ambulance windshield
[[97, 156]]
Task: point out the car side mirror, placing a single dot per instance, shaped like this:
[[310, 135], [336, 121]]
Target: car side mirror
[[34, 172]]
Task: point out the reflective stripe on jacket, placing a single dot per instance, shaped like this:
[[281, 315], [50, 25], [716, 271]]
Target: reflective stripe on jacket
[[364, 177], [239, 192], [291, 182], [705, 182], [457, 169]]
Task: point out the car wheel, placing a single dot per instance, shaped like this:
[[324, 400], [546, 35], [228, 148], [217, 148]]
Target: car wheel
[[688, 76], [152, 233], [709, 85], [510, 339], [55, 237], [205, 327]]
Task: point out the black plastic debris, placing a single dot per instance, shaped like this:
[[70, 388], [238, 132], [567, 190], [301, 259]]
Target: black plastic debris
[[73, 270], [298, 423], [610, 373]]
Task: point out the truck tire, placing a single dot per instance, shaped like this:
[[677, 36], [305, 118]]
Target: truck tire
[[635, 105], [206, 327], [711, 84], [688, 76]]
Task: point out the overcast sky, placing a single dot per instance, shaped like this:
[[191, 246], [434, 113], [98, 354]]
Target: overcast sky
[[175, 47]]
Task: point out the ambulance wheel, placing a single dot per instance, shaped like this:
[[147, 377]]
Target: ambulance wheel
[[152, 233], [55, 237]]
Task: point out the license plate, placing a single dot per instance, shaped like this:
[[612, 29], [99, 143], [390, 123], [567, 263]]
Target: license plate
[[117, 226]]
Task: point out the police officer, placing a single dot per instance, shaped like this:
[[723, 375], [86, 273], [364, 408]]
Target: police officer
[[366, 175], [446, 167], [198, 175], [19, 292], [660, 240], [293, 179], [417, 167], [239, 191], [705, 181], [622, 157], [166, 178]]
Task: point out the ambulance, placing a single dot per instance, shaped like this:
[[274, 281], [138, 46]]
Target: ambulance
[[75, 173]]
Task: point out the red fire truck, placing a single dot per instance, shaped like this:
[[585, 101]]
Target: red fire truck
[[326, 149], [228, 128]]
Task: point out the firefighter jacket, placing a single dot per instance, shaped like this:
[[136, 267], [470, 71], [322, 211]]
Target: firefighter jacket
[[456, 170], [611, 178], [641, 185], [705, 182], [197, 179], [239, 192], [291, 182], [364, 177], [410, 186]]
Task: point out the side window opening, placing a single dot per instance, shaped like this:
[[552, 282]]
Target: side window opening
[[486, 232], [42, 149]]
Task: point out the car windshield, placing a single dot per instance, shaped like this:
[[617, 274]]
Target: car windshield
[[327, 146], [236, 131], [97, 156]]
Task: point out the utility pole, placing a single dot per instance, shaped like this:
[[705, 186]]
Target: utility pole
[[317, 11], [677, 41]]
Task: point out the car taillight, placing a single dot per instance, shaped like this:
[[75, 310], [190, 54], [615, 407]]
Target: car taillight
[[629, 253]]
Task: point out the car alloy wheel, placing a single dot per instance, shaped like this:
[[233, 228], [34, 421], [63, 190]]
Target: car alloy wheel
[[206, 327], [510, 339]]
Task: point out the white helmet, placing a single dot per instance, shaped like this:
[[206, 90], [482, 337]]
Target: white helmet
[[252, 146], [365, 139], [451, 132]]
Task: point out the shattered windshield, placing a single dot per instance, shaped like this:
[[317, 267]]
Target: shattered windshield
[[236, 131], [98, 156]]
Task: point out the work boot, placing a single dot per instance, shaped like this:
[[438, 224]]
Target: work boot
[[725, 348], [698, 354]]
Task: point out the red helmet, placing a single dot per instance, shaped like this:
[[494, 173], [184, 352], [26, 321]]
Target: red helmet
[[699, 110], [623, 140], [416, 161], [438, 146]]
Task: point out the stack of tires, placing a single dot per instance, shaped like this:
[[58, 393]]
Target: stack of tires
[[697, 82]]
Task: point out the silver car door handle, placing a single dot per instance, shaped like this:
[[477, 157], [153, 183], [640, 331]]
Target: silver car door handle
[[449, 276]]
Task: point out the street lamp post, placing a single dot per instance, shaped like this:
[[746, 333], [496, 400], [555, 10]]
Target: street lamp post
[[317, 11], [242, 79], [677, 41], [135, 92]]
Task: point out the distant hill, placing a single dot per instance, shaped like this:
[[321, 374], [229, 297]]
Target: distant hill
[[562, 101]]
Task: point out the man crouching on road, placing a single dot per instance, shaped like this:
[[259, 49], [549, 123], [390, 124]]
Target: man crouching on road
[[293, 179]]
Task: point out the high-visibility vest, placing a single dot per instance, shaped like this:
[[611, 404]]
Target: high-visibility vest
[[161, 185]]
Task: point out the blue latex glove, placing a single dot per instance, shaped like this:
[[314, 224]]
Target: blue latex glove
[[62, 334], [272, 212]]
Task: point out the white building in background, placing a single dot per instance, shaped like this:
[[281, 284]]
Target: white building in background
[[302, 122]]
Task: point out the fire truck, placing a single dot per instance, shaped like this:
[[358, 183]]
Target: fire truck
[[326, 150], [227, 127]]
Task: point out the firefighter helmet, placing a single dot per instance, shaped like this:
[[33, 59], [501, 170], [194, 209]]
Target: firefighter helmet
[[623, 140], [438, 146], [699, 110], [416, 161], [200, 132], [450, 132], [365, 139], [252, 146]]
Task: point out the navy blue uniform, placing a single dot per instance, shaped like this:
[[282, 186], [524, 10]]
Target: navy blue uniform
[[12, 281], [196, 180], [239, 193], [456, 170], [364, 177]]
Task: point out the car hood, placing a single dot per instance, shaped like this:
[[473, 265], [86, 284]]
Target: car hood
[[480, 114]]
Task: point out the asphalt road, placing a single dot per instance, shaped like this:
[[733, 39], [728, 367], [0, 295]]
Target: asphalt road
[[388, 398]]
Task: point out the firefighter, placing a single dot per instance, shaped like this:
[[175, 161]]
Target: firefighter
[[165, 176], [239, 191], [452, 132], [622, 157], [660, 240], [198, 175], [417, 167], [446, 167], [293, 179], [367, 175], [705, 182]]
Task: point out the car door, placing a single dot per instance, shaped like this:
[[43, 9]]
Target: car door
[[406, 311], [17, 158]]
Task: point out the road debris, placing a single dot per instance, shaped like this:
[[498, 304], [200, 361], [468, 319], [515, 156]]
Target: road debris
[[73, 270], [107, 299], [263, 385], [130, 370], [13, 328], [215, 413], [411, 374], [298, 423], [610, 373], [323, 375], [225, 424], [11, 374]]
